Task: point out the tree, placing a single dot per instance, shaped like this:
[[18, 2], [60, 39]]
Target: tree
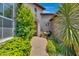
[[68, 19], [25, 22]]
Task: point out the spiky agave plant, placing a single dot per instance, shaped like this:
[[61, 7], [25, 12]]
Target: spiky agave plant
[[68, 18]]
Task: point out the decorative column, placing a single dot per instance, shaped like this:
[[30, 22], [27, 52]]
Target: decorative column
[[38, 28]]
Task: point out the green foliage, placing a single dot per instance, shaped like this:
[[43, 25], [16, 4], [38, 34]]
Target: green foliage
[[25, 23], [68, 19], [55, 48], [66, 51], [52, 48], [15, 47]]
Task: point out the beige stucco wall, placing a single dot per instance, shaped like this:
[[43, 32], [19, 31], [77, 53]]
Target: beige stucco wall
[[44, 21]]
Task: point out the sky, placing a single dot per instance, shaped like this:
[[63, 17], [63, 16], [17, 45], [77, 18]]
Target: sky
[[50, 7]]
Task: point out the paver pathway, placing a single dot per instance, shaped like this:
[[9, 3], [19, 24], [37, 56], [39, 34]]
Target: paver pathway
[[38, 46]]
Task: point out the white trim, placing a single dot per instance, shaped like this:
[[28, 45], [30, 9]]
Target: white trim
[[6, 18], [2, 21], [5, 39], [6, 28], [13, 19], [3, 9], [2, 27]]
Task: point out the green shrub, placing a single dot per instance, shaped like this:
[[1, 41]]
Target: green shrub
[[66, 51], [58, 48], [53, 48], [25, 22], [15, 47]]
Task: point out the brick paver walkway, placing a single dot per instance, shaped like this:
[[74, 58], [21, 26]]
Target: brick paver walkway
[[38, 46]]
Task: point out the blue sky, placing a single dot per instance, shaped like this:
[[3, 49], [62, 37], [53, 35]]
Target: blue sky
[[50, 7]]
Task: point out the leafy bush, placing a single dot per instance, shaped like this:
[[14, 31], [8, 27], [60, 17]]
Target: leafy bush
[[15, 47], [25, 23], [68, 23], [56, 47], [66, 51], [52, 48]]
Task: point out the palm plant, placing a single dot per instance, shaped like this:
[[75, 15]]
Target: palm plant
[[68, 19]]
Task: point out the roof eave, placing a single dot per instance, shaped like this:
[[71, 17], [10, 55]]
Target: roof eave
[[47, 14], [39, 6]]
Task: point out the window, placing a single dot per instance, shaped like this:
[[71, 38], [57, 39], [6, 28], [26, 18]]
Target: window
[[47, 24], [1, 9], [7, 32], [0, 22], [35, 12], [0, 32], [7, 23], [7, 28], [8, 10], [0, 28], [6, 20]]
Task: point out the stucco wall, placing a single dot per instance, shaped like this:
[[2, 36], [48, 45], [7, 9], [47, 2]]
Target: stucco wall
[[44, 21]]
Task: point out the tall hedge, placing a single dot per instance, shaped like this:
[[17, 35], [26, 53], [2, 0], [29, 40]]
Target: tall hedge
[[25, 22]]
